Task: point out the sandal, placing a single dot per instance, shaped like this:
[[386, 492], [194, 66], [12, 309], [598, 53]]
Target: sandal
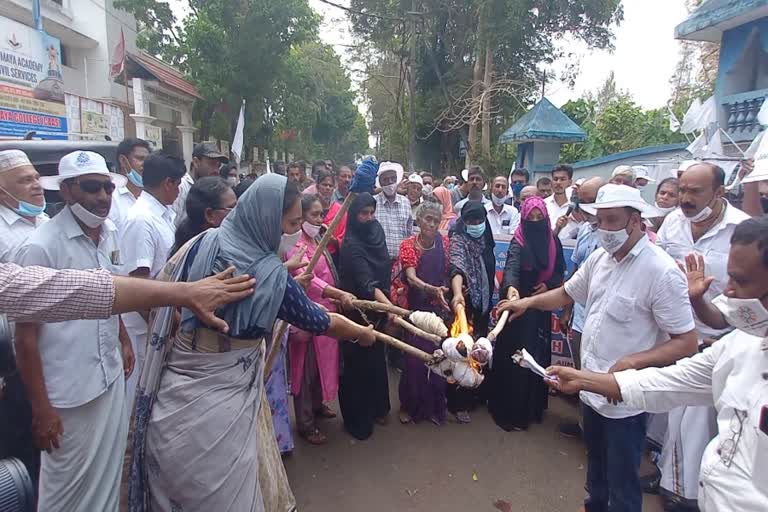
[[404, 417], [325, 412], [462, 417], [315, 437]]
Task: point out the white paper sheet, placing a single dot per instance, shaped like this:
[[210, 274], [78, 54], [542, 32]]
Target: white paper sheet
[[529, 362]]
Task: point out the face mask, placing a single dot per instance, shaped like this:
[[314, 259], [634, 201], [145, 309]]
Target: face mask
[[426, 191], [665, 211], [702, 215], [90, 219], [450, 186], [136, 178], [232, 182], [517, 188], [612, 241], [498, 201], [310, 229], [390, 190], [748, 315], [476, 231], [287, 242], [26, 209]]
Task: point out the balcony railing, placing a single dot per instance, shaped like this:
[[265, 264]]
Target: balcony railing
[[741, 111]]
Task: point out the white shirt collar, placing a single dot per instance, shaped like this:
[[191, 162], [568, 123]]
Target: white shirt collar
[[504, 208], [11, 217], [156, 208]]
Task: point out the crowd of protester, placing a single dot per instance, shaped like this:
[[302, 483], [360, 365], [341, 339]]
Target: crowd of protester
[[176, 388]]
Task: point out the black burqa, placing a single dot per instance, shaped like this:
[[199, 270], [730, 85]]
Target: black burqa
[[365, 266], [516, 396]]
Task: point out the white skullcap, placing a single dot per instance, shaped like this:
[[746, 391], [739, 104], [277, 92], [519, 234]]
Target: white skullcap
[[11, 159], [415, 178]]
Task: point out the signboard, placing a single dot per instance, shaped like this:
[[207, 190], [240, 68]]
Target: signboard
[[94, 123], [31, 85], [154, 135]]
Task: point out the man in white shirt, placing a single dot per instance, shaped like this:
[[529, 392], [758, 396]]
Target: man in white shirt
[[147, 240], [393, 210], [74, 372], [206, 161], [559, 205], [636, 297], [131, 154], [732, 376], [22, 202], [504, 218], [704, 224]]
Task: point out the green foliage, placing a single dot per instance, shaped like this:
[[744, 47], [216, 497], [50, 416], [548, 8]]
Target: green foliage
[[253, 50], [523, 35]]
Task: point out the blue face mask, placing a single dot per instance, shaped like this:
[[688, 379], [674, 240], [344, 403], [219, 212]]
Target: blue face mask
[[136, 178], [517, 188], [451, 186], [476, 231], [26, 209]]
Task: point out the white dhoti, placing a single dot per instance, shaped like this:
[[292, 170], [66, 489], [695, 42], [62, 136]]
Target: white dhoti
[[84, 473], [689, 430], [138, 334]]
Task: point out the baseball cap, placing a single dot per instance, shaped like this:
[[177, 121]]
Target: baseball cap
[[209, 150], [415, 178], [641, 173], [80, 163], [618, 196]]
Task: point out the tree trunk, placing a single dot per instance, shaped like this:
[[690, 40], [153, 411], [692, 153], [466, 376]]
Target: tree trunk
[[477, 77], [205, 121], [486, 105]]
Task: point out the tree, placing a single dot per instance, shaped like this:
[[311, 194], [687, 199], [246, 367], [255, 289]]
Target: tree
[[466, 47]]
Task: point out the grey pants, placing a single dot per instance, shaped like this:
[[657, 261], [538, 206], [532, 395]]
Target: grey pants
[[310, 397]]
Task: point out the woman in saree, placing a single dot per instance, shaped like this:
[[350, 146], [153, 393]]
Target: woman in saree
[[535, 264], [325, 185], [424, 259], [203, 436], [314, 360], [443, 195], [472, 269], [365, 272]]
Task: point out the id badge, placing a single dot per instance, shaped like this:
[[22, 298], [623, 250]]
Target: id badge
[[114, 257]]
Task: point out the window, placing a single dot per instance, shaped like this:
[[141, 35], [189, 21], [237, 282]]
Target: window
[[65, 59]]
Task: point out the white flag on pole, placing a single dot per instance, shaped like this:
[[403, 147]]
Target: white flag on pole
[[269, 169], [674, 123], [237, 142]]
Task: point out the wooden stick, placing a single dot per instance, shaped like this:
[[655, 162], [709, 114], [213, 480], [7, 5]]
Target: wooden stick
[[309, 269], [372, 305], [275, 347], [434, 338], [408, 349], [461, 314], [511, 292]]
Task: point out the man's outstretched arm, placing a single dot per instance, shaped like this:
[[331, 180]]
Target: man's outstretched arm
[[41, 294]]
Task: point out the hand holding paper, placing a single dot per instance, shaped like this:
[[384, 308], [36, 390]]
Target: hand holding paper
[[526, 360]]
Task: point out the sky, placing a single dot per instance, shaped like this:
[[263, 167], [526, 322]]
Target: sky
[[643, 61]]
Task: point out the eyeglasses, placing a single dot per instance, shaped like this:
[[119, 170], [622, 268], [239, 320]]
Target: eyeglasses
[[94, 187], [728, 447]]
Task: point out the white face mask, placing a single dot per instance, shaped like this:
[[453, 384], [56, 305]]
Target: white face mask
[[665, 211], [88, 218], [748, 315], [612, 241], [390, 190], [702, 215], [426, 191], [310, 229], [498, 201], [287, 242]]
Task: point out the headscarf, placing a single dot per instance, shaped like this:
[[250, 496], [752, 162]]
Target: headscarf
[[444, 196], [365, 242], [470, 256], [248, 238], [536, 240]]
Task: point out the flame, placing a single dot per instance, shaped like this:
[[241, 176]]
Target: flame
[[460, 324]]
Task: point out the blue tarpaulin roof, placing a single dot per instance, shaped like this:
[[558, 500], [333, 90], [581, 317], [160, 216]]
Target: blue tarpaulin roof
[[544, 122]]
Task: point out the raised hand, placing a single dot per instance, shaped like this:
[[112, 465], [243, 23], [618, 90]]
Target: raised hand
[[698, 281]]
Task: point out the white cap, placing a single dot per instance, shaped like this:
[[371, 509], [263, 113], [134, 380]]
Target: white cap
[[624, 170], [13, 159], [641, 173], [465, 175], [685, 164], [388, 167], [619, 196], [415, 178], [81, 163]]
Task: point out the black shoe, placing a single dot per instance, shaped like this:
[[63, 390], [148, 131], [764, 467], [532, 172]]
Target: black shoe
[[678, 505], [570, 430], [650, 483]]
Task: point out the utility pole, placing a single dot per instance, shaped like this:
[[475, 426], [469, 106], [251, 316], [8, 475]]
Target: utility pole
[[412, 90]]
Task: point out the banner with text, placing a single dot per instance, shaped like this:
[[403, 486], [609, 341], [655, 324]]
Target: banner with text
[[31, 84]]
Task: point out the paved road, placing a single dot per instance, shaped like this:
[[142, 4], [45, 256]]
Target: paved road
[[476, 467]]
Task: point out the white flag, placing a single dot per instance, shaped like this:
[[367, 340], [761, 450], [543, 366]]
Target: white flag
[[700, 116], [674, 123], [269, 169], [237, 142], [762, 116]]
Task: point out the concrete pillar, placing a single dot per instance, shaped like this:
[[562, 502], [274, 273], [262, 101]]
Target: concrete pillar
[[187, 131], [141, 108]]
